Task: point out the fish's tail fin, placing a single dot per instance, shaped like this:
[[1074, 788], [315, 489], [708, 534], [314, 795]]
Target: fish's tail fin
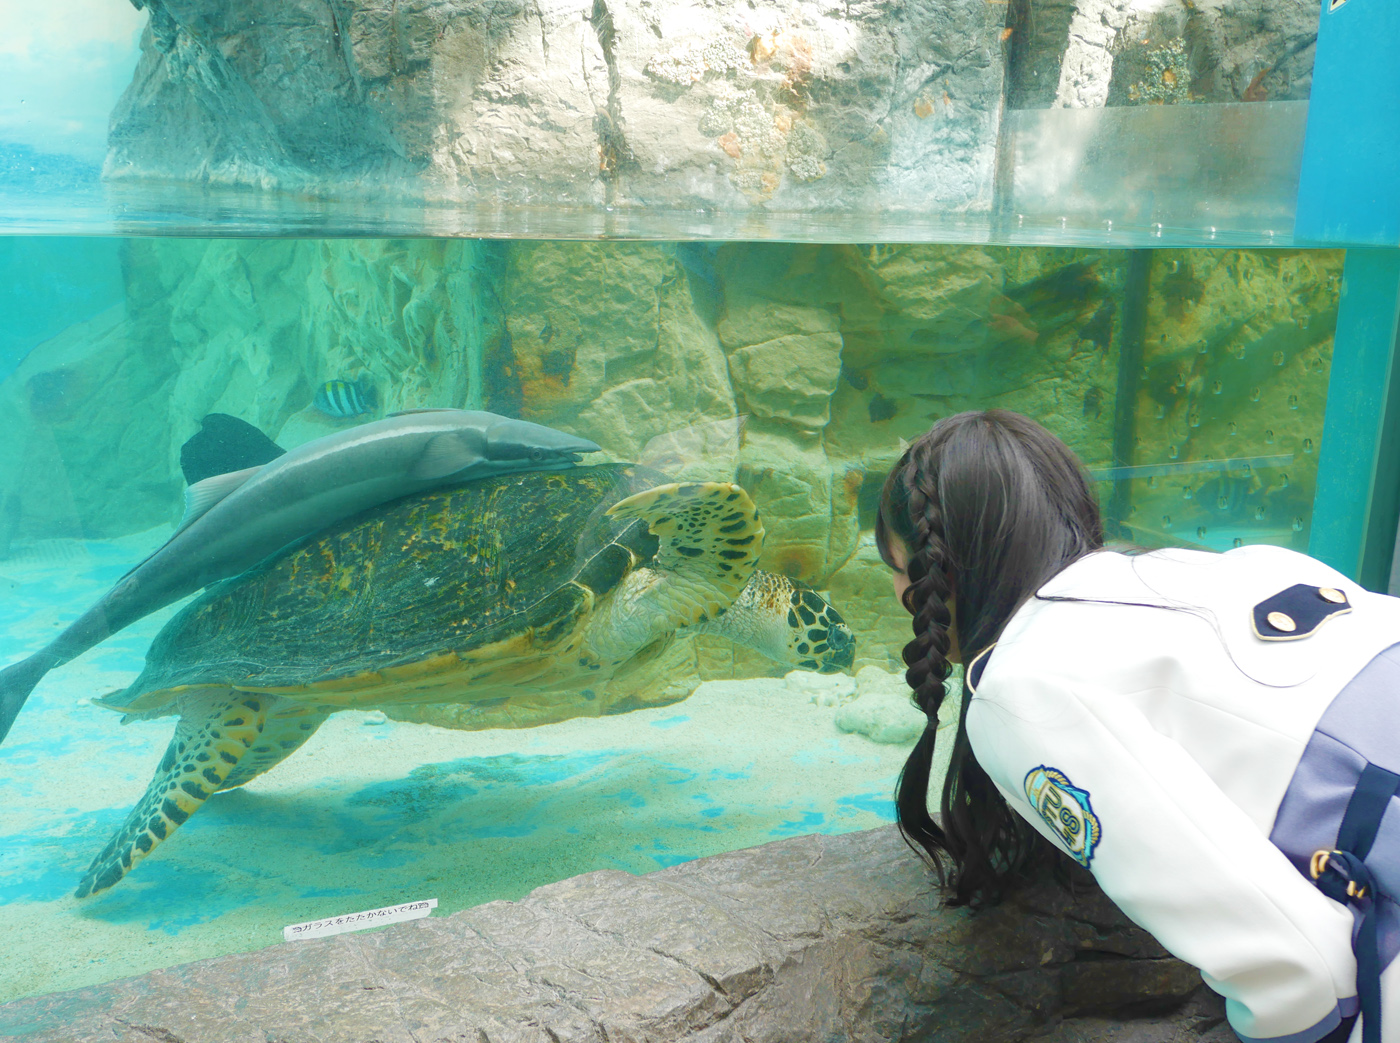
[[16, 682]]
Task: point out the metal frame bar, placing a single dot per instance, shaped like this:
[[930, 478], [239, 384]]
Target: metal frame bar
[[1349, 194], [1356, 506]]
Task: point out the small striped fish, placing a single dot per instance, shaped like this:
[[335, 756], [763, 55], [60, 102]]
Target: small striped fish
[[346, 398]]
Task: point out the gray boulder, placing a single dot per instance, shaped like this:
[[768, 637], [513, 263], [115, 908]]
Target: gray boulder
[[796, 104], [814, 938]]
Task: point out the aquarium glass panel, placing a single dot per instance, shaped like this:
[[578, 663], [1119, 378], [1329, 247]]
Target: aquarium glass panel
[[485, 684], [938, 120]]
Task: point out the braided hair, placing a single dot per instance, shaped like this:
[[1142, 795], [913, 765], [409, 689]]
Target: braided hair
[[988, 506]]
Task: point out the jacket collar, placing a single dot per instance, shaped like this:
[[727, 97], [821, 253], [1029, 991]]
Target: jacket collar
[[973, 674]]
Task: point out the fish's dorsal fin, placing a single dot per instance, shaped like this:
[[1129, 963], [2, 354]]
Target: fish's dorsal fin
[[223, 444], [446, 454], [424, 409], [202, 495]]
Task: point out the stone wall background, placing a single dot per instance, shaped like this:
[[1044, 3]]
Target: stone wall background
[[800, 104], [831, 355]]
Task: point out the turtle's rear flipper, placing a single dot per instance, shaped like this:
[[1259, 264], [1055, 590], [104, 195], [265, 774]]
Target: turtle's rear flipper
[[214, 733], [284, 732]]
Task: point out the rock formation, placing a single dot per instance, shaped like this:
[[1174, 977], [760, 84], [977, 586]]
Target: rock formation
[[803, 104], [811, 938]]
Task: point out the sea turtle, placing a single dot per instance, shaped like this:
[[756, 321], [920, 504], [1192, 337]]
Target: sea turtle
[[534, 585]]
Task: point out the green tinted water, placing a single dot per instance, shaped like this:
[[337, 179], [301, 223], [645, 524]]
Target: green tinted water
[[1192, 382]]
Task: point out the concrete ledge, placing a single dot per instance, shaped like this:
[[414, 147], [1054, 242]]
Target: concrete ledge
[[815, 938]]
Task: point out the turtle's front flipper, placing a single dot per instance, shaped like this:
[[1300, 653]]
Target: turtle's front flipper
[[710, 538], [214, 733]]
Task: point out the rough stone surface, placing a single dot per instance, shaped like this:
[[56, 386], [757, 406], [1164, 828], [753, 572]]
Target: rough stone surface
[[1108, 52], [811, 938], [800, 104]]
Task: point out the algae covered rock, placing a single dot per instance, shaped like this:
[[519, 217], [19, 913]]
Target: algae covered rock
[[789, 378], [606, 341], [809, 513]]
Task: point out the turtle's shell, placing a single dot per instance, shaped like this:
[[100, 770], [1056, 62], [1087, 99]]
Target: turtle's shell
[[415, 597]]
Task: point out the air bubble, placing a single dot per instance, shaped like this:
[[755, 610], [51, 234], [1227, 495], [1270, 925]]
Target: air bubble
[[1278, 358], [1181, 380], [1157, 231], [1166, 521], [1283, 480], [1307, 445], [1161, 411], [1303, 319], [1238, 351], [1248, 471], [1298, 524], [1132, 509], [1216, 388], [1292, 401], [1152, 481], [1175, 266], [1254, 394], [1173, 452], [1259, 513], [1108, 226], [1237, 542], [1194, 420], [1201, 532], [1202, 347], [1186, 492], [1269, 437], [1230, 428], [1222, 504]]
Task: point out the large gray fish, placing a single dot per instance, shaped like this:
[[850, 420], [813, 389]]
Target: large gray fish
[[233, 521]]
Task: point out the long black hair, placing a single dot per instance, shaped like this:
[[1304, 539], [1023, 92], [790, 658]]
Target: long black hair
[[989, 506]]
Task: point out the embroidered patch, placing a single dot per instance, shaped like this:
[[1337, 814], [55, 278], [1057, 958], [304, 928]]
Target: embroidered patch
[[1066, 810]]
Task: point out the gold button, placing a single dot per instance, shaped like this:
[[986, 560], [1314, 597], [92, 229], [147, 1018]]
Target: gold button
[[1279, 621], [1333, 595]]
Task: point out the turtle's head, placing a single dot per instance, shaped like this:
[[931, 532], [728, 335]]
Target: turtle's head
[[787, 621], [518, 445]]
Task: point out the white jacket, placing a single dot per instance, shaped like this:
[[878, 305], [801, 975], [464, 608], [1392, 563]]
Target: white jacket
[[1157, 745]]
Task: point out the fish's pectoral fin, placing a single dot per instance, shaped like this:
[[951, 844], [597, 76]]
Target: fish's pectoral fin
[[214, 734], [204, 494], [448, 453]]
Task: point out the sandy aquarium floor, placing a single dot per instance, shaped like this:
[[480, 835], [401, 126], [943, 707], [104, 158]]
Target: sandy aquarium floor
[[374, 812]]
